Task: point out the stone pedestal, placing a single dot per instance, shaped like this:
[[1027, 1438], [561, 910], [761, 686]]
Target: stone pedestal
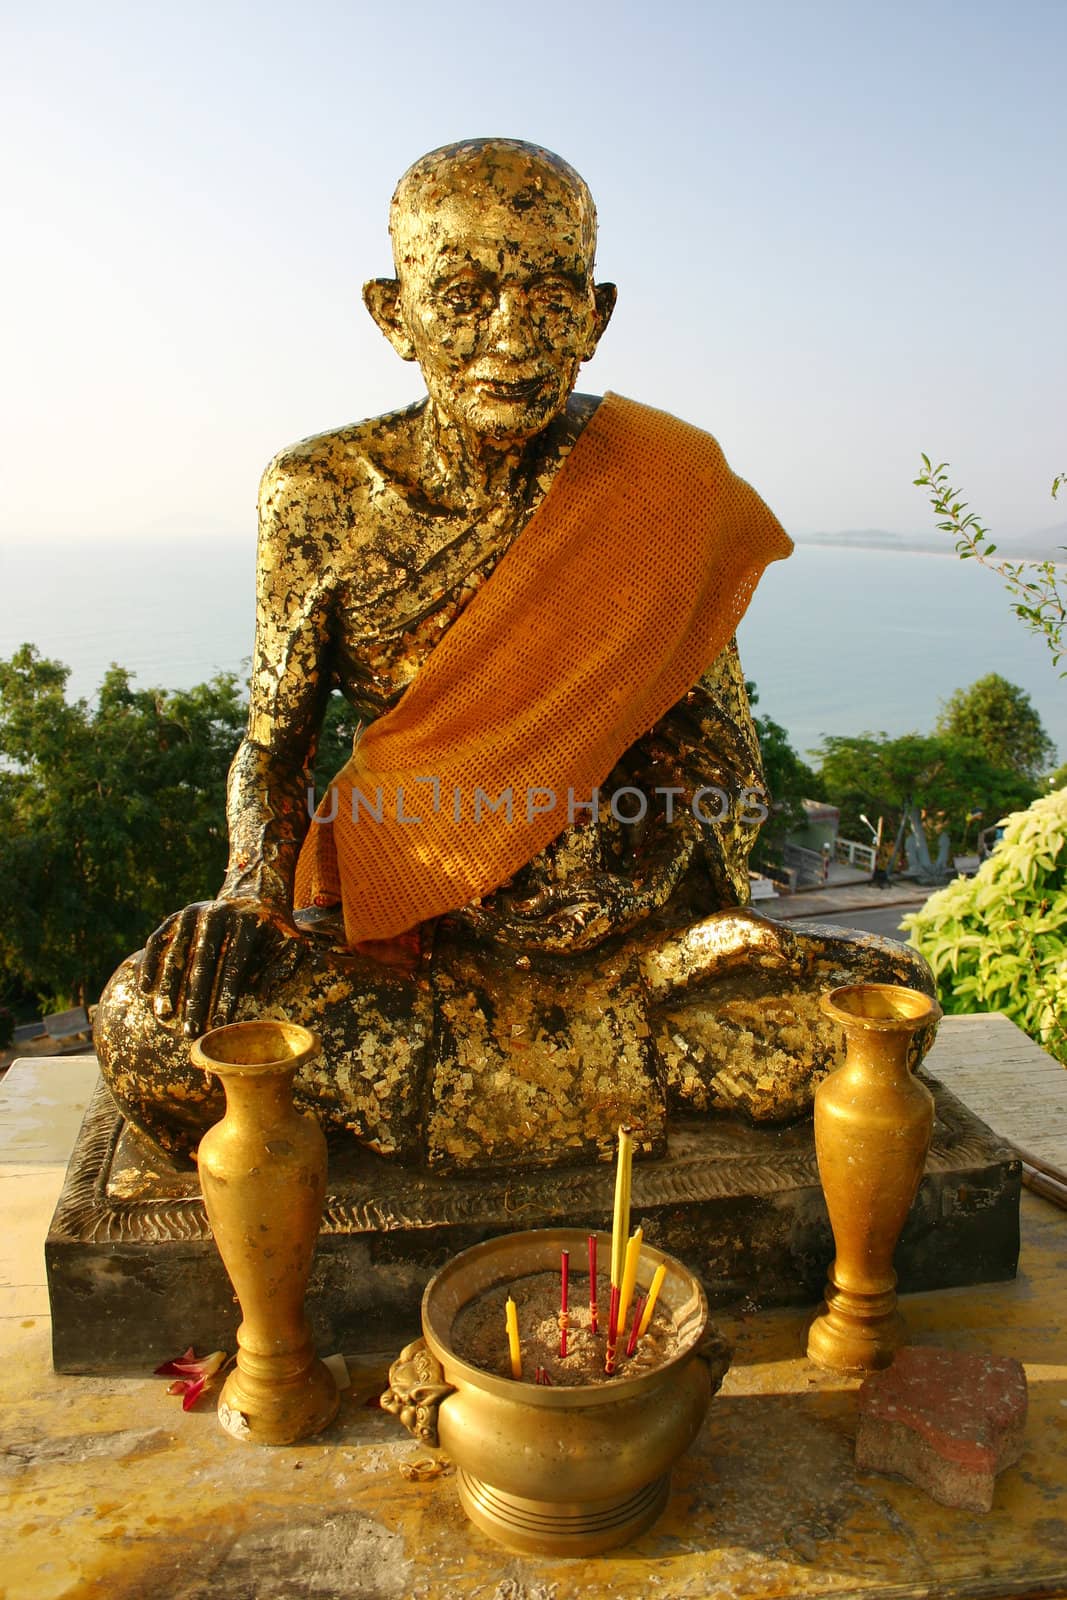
[[134, 1277]]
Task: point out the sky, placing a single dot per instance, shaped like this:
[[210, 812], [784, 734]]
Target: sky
[[838, 230]]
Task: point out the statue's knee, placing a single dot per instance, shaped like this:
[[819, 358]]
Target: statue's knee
[[752, 1036], [834, 956], [851, 955], [146, 1066], [727, 942], [114, 1015]]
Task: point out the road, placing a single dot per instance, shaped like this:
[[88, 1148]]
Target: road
[[875, 919]]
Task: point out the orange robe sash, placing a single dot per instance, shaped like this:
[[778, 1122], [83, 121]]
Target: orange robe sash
[[628, 580]]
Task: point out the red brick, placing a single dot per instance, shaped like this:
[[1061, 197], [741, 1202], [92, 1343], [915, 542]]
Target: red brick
[[944, 1419]]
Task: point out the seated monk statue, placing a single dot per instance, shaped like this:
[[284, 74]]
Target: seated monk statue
[[519, 915]]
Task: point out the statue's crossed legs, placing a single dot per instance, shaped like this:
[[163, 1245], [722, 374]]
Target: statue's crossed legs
[[472, 1056]]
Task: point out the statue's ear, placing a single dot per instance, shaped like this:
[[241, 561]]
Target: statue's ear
[[381, 296], [605, 296]]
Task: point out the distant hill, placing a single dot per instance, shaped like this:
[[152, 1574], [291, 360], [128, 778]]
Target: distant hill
[[1048, 544]]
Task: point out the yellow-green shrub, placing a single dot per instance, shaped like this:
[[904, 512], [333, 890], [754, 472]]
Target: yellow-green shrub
[[998, 941]]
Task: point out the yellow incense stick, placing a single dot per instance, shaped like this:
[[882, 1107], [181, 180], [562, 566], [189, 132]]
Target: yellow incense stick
[[512, 1317], [629, 1276], [621, 1225], [653, 1295]]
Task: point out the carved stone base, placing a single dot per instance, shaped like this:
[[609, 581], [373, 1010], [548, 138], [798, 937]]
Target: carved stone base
[[134, 1277]]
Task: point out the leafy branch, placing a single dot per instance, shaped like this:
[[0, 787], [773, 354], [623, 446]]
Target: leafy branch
[[1040, 590]]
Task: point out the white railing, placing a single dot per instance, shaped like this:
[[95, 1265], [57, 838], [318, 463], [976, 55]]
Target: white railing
[[856, 854]]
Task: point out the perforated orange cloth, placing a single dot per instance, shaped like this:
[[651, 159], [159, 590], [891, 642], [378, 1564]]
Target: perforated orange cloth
[[627, 581]]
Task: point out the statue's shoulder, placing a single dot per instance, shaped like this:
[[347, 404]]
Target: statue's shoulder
[[341, 461], [641, 419]]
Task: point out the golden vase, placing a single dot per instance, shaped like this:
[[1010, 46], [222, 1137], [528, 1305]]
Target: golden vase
[[566, 1471], [873, 1121], [263, 1178]]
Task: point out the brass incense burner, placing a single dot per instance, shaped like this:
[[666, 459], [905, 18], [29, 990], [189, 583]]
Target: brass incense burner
[[556, 1471]]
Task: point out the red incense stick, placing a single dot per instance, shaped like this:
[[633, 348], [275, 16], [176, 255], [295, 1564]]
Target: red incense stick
[[613, 1331], [564, 1319], [639, 1310], [593, 1328]]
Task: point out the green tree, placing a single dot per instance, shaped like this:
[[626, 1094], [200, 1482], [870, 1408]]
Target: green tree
[[998, 941], [944, 777], [111, 816], [788, 781], [999, 719]]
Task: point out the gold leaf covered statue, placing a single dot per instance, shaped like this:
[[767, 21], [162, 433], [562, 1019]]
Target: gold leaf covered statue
[[521, 908]]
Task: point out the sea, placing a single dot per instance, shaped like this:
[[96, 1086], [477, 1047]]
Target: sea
[[839, 639]]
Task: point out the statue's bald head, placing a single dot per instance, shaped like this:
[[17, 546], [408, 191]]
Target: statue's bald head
[[494, 296], [494, 175]]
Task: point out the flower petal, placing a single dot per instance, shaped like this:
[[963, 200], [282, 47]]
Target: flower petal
[[169, 1368], [193, 1390], [206, 1367], [192, 1366]]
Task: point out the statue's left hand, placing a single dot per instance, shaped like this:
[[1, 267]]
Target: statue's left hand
[[198, 962], [576, 915], [579, 914]]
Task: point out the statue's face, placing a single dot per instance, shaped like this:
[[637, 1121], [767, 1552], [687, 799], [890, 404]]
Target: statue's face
[[498, 303]]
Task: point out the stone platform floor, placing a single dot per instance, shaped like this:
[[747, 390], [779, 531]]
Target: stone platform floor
[[107, 1489]]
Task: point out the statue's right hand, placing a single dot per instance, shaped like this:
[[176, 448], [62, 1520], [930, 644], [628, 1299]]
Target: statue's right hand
[[196, 964]]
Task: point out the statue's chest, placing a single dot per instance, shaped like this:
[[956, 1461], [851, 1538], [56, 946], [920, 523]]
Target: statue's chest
[[404, 593]]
